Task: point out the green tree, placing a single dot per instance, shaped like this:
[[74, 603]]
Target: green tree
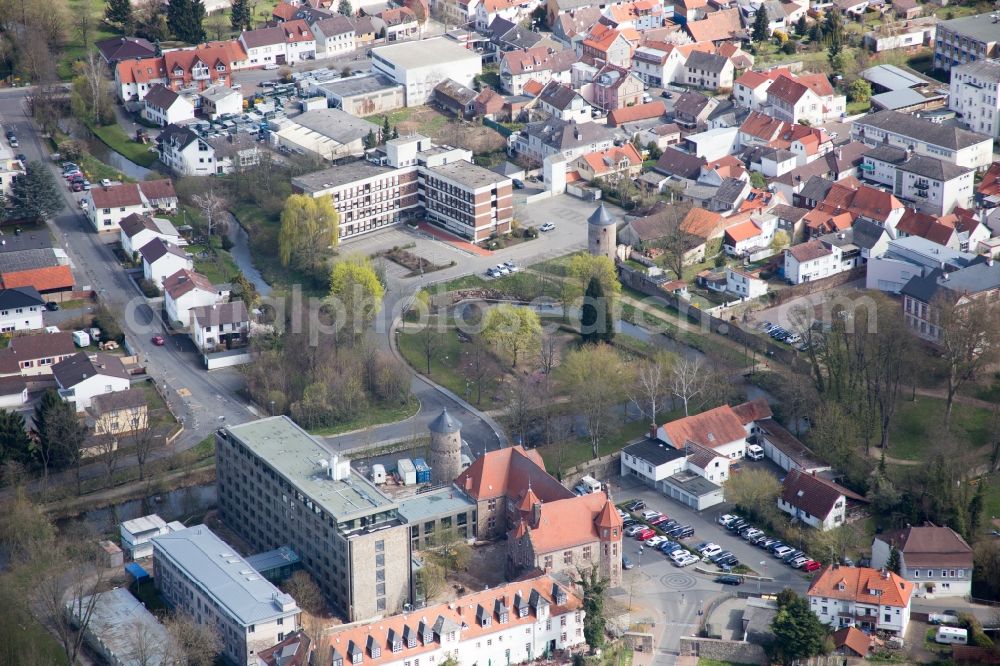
[[859, 91], [14, 441], [801, 27], [185, 18], [593, 587], [345, 8], [581, 268], [760, 31], [834, 41], [355, 287], [370, 140], [892, 564], [395, 132], [58, 433], [653, 151], [386, 131], [513, 329], [241, 16], [798, 633], [119, 13], [976, 508], [310, 228], [594, 399], [34, 195], [755, 491], [780, 240], [596, 324], [758, 180]]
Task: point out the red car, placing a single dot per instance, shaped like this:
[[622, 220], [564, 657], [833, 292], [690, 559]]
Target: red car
[[659, 519], [158, 340], [646, 534], [811, 565]]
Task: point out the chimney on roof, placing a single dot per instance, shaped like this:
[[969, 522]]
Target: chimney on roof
[[652, 431]]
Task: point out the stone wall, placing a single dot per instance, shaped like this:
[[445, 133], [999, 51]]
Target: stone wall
[[603, 468], [736, 652]]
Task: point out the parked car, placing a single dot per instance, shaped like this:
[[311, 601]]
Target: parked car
[[682, 532], [629, 522], [158, 340], [791, 556], [655, 541], [634, 529], [799, 561], [737, 525], [659, 520], [685, 560], [811, 565], [755, 452], [712, 549], [105, 182], [725, 519], [668, 547], [635, 505], [271, 66], [626, 563], [783, 551], [548, 226], [766, 543], [51, 306], [645, 534], [649, 514], [729, 579]]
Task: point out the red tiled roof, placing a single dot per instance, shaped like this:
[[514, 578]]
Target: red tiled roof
[[532, 88], [809, 250], [630, 114], [603, 162], [116, 196], [509, 472], [50, 278], [762, 126], [787, 90], [146, 70], [854, 639], [753, 410], [700, 222], [155, 190], [858, 583], [914, 223], [564, 523], [713, 428], [284, 11], [184, 281], [989, 186], [724, 24], [741, 232]]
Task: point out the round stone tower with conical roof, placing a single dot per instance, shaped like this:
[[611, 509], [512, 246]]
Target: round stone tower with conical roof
[[602, 235], [446, 448]]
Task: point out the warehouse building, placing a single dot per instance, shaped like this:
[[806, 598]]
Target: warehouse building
[[419, 66]]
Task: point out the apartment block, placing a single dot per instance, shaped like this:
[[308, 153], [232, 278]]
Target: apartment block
[[974, 94], [279, 486], [201, 574], [965, 40], [412, 177], [944, 142]]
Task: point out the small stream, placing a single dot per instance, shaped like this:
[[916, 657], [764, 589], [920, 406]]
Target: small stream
[[115, 159], [241, 255], [181, 504]]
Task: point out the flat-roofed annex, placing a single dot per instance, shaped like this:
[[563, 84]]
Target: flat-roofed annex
[[299, 458]]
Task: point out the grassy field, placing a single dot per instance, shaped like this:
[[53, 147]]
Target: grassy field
[[23, 639], [522, 285], [446, 365], [114, 137], [74, 49], [373, 416], [564, 455], [910, 434]]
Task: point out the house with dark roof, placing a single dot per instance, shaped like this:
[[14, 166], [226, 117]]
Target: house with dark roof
[[556, 137], [934, 186], [82, 376], [934, 557], [562, 102], [222, 326], [29, 355], [454, 98], [21, 309], [186, 290], [115, 49], [948, 142], [187, 154], [692, 475], [691, 109], [816, 501], [709, 70], [162, 106], [971, 286], [161, 258], [138, 229], [118, 412], [679, 164]]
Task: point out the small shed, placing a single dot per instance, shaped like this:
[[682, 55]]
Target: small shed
[[423, 471], [113, 556], [378, 474], [407, 471], [81, 338], [136, 572]]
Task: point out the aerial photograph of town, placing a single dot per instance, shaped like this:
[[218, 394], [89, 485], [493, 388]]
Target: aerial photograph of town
[[497, 332]]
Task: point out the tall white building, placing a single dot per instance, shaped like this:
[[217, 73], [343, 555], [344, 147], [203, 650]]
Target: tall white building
[[860, 597], [419, 66], [944, 142], [975, 96], [199, 573]]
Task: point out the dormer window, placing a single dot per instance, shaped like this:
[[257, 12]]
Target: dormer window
[[484, 618], [841, 587]]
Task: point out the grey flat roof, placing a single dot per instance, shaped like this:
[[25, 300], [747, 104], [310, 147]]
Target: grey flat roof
[[653, 451], [979, 27], [358, 85], [468, 173], [337, 124], [26, 260], [222, 574], [424, 53], [893, 77], [446, 501], [117, 619], [693, 484], [899, 99], [335, 176], [273, 559], [296, 455]]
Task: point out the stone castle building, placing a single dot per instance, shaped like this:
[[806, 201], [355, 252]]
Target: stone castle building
[[602, 234], [446, 448]]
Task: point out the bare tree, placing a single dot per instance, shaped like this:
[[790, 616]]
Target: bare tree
[[430, 344], [595, 377], [106, 446], [676, 242], [213, 209], [306, 592], [478, 366], [688, 380], [192, 644], [147, 649], [652, 385], [141, 438], [969, 339], [522, 401]]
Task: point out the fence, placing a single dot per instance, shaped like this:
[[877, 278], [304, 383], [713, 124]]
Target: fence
[[64, 296], [494, 125], [812, 287]]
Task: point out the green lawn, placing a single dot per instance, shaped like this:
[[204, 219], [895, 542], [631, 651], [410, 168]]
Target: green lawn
[[573, 452], [445, 363], [373, 416], [911, 434], [74, 49], [114, 137], [220, 268], [521, 285], [23, 639], [992, 495]]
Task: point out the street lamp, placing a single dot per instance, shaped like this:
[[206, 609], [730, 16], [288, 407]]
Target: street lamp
[[763, 565]]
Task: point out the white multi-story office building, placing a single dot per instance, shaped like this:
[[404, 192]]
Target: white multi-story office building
[[200, 574], [420, 65], [975, 96], [944, 142]]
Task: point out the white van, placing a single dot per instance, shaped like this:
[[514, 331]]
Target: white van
[[755, 452], [951, 636], [588, 485]]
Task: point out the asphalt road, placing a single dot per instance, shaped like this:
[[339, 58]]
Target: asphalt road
[[202, 400]]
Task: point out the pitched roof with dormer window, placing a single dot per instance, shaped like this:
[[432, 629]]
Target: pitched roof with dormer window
[[862, 585]]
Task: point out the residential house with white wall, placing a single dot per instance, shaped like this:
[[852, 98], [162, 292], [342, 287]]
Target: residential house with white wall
[[334, 36], [108, 205], [693, 475], [974, 94], [83, 376], [539, 64], [30, 355], [137, 534], [220, 100], [220, 325], [284, 44], [609, 165], [815, 501], [934, 186], [136, 230], [187, 154], [807, 97], [745, 283], [161, 259], [869, 599], [708, 70], [820, 258], [163, 106], [935, 558], [186, 290], [946, 142], [21, 309], [723, 429], [200, 574]]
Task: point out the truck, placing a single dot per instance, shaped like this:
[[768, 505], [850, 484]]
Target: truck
[[588, 485], [951, 636], [947, 617]]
